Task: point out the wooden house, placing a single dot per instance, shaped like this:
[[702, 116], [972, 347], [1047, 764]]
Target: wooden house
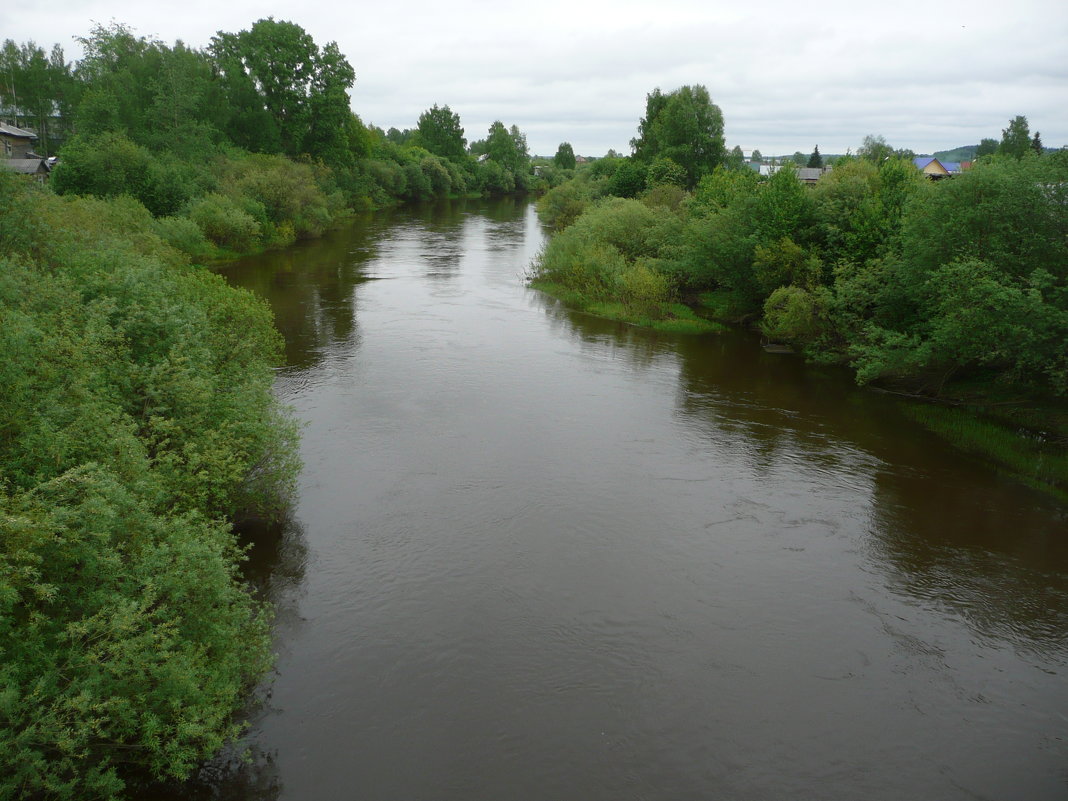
[[16, 143]]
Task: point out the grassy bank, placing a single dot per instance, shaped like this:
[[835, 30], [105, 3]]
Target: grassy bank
[[670, 317], [1037, 458]]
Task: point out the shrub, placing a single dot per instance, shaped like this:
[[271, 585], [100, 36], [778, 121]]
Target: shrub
[[795, 315], [562, 205], [224, 223], [138, 417], [183, 234]]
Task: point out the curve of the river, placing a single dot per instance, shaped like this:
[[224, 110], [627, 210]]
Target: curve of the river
[[538, 555]]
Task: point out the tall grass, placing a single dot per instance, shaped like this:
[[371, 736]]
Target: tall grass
[[1026, 456]]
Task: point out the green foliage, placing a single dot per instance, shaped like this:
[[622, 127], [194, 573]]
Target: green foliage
[[277, 67], [439, 131], [138, 418], [722, 188], [875, 149], [1016, 139], [182, 234], [815, 160], [36, 85], [629, 178], [684, 126], [906, 280], [110, 164], [609, 255], [784, 263], [795, 315], [127, 638], [225, 223], [1008, 213], [963, 153], [859, 207], [565, 156], [562, 205], [665, 171], [987, 147]]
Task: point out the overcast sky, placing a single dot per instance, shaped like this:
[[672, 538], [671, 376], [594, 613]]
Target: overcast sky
[[787, 76]]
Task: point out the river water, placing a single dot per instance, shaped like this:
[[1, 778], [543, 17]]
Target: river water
[[538, 555]]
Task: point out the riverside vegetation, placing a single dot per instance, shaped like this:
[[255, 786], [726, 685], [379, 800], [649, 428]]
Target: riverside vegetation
[[248, 144], [954, 290], [139, 421]]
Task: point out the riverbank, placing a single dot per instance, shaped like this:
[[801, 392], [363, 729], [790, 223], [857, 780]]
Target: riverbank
[[139, 421], [666, 317], [1020, 435]]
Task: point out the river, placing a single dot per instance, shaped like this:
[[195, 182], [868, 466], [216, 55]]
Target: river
[[539, 555]]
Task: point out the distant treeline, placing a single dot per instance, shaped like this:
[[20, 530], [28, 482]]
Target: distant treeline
[[248, 143], [909, 281]]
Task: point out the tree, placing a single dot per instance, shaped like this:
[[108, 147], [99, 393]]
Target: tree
[[439, 131], [799, 158], [1016, 139], [815, 160], [1036, 144], [565, 156], [756, 158], [736, 159], [628, 180], [34, 87], [521, 151], [684, 126], [507, 147], [986, 147], [277, 67], [875, 148]]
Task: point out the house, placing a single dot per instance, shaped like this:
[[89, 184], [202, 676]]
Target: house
[[933, 168], [15, 143], [31, 166], [810, 175], [806, 175]]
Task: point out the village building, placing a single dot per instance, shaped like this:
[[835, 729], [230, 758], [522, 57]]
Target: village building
[[16, 143]]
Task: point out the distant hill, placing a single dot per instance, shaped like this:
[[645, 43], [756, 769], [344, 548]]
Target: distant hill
[[962, 153]]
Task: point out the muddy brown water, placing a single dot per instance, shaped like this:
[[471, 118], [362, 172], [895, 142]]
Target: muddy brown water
[[539, 555]]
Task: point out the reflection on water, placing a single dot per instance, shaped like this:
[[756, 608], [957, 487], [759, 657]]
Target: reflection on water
[[538, 555]]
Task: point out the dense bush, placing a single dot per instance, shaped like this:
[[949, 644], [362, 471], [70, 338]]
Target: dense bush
[[138, 420], [224, 222], [903, 279]]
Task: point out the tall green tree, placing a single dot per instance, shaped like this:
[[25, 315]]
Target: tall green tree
[[507, 147], [275, 66], [439, 131], [1036, 144], [684, 126], [1016, 139], [335, 133], [38, 91], [815, 160], [565, 156]]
